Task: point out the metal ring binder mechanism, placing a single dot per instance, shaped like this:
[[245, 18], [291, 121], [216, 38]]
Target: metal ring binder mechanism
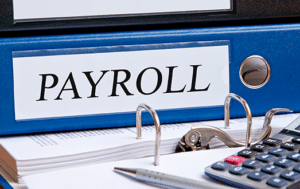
[[200, 135], [248, 114], [157, 126]]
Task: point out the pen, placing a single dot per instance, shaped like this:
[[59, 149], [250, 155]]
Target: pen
[[166, 179]]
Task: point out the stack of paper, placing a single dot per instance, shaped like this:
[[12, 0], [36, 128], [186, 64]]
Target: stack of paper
[[189, 165], [32, 154]]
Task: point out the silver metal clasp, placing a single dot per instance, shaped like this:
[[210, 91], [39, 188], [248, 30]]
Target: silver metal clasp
[[248, 114], [200, 135], [157, 127]]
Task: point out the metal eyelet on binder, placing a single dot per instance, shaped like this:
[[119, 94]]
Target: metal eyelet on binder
[[157, 126], [255, 72]]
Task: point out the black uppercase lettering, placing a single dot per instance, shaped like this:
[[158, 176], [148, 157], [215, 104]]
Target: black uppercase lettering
[[194, 78], [139, 81], [93, 84], [121, 83], [170, 79], [44, 87], [73, 88]]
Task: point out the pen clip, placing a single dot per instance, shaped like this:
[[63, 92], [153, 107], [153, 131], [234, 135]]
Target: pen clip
[[157, 127]]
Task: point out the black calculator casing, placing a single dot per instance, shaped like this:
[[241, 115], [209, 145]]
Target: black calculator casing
[[289, 133]]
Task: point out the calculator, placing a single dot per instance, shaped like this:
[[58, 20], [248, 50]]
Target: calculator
[[272, 163]]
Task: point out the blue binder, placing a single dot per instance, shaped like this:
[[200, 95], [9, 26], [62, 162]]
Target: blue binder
[[4, 184], [239, 12], [279, 45]]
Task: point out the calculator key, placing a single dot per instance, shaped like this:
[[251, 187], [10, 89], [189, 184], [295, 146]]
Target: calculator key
[[285, 163], [257, 175], [235, 160], [221, 166], [260, 147], [294, 156], [247, 153], [272, 142], [290, 175], [290, 146], [271, 169], [266, 158], [296, 140], [294, 186], [252, 164], [237, 170], [278, 151], [277, 182], [297, 168]]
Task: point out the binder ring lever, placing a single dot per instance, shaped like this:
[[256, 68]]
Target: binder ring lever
[[157, 127]]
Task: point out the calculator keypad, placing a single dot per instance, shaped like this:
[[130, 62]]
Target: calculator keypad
[[257, 175], [235, 160], [271, 169], [290, 175], [273, 142], [290, 146], [295, 156], [276, 151], [266, 158], [237, 170], [297, 168], [296, 140], [277, 182], [247, 153], [221, 166], [273, 163], [284, 163], [260, 147], [252, 164]]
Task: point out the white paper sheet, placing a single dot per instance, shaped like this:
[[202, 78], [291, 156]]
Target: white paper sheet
[[189, 165]]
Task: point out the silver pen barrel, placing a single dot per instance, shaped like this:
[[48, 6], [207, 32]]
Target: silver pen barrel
[[169, 180]]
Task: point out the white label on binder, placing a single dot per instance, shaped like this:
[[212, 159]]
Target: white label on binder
[[41, 9], [115, 82]]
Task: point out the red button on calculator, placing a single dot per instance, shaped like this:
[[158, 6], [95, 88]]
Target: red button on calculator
[[235, 160]]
